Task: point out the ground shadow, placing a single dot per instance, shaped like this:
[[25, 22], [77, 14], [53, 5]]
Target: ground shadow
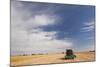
[[66, 59]]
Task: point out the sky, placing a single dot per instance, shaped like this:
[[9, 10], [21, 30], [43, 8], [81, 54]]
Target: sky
[[50, 27]]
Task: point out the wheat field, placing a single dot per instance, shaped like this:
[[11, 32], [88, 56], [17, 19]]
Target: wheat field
[[50, 59]]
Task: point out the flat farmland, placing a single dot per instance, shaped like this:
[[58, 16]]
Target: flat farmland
[[50, 59]]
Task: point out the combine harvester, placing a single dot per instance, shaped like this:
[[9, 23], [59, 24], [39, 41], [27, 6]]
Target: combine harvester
[[69, 54]]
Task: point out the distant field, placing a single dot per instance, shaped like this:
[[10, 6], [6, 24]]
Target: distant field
[[50, 58]]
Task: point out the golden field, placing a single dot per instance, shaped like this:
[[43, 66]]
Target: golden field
[[50, 58]]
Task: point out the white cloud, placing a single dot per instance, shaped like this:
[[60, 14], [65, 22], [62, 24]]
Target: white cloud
[[88, 26], [89, 47], [44, 19], [26, 37]]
